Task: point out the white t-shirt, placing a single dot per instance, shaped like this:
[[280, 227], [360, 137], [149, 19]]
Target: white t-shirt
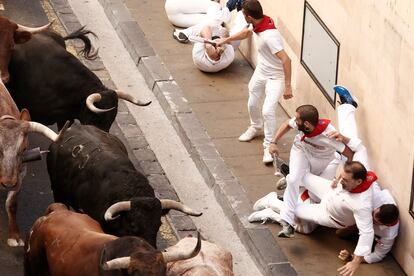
[[269, 42], [319, 146]]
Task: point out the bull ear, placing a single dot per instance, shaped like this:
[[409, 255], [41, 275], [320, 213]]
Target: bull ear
[[25, 115], [22, 36]]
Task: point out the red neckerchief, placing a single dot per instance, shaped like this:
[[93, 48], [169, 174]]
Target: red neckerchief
[[371, 177], [266, 24], [319, 128], [304, 196]]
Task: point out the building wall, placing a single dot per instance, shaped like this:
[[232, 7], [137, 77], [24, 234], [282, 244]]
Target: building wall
[[376, 63]]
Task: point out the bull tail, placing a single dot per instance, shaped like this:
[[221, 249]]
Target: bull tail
[[88, 51]]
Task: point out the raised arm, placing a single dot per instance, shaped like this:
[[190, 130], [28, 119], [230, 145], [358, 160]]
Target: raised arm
[[243, 34]]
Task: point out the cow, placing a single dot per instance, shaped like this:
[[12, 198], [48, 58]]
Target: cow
[[211, 261], [11, 34], [90, 171], [56, 86], [14, 127], [66, 243]]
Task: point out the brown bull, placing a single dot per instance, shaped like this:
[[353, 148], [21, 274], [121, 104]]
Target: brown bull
[[211, 261], [11, 34], [65, 243], [14, 127]]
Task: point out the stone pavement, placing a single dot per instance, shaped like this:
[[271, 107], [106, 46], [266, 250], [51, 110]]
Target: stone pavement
[[209, 112]]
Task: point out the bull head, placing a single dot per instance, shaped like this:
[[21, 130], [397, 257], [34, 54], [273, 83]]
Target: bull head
[[142, 216], [11, 34], [143, 260]]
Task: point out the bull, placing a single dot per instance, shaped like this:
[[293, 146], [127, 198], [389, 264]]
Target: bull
[[11, 34], [65, 243], [90, 171], [14, 127], [212, 260], [55, 86]]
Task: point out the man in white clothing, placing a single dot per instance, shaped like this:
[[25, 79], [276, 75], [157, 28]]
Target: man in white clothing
[[207, 55], [271, 78], [312, 151]]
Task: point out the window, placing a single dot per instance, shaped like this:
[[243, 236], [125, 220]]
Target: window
[[412, 194], [319, 53]]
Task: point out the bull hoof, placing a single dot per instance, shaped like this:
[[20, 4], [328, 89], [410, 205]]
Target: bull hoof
[[15, 243]]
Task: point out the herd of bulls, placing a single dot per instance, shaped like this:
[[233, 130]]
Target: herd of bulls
[[114, 228]]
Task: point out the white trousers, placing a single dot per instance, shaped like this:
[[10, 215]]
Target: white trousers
[[348, 127], [300, 164], [319, 186], [187, 13], [264, 116], [215, 16]]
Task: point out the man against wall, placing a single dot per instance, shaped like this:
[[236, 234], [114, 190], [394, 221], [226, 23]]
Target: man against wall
[[271, 78], [312, 151]]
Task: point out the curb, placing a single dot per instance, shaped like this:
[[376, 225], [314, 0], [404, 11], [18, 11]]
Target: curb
[[257, 238], [181, 224]]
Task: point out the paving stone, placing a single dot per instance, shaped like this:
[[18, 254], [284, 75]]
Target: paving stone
[[131, 131], [125, 119], [145, 154], [117, 12], [137, 142], [183, 223], [134, 40], [153, 70], [150, 167], [158, 181], [281, 269], [171, 97], [167, 193]]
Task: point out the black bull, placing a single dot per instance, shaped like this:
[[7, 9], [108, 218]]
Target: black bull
[[54, 85], [90, 171]]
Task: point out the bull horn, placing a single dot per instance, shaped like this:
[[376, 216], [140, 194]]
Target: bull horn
[[42, 129], [34, 30], [118, 263], [90, 103], [130, 98], [177, 256], [175, 205], [116, 208]]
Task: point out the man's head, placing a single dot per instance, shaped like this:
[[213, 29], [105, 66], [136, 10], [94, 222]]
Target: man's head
[[252, 10], [386, 214], [353, 174], [307, 118]]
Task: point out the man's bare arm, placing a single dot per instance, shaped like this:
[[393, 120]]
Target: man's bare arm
[[287, 69], [283, 129], [243, 34]]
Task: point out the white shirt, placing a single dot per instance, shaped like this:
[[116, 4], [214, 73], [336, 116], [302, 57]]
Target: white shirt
[[353, 208], [386, 234], [319, 146], [269, 42]]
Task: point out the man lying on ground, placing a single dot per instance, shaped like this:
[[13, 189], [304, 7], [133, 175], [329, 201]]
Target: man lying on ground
[[207, 55]]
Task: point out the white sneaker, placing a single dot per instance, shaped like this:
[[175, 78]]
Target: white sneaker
[[264, 202], [281, 184], [267, 157], [249, 134], [264, 215]]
